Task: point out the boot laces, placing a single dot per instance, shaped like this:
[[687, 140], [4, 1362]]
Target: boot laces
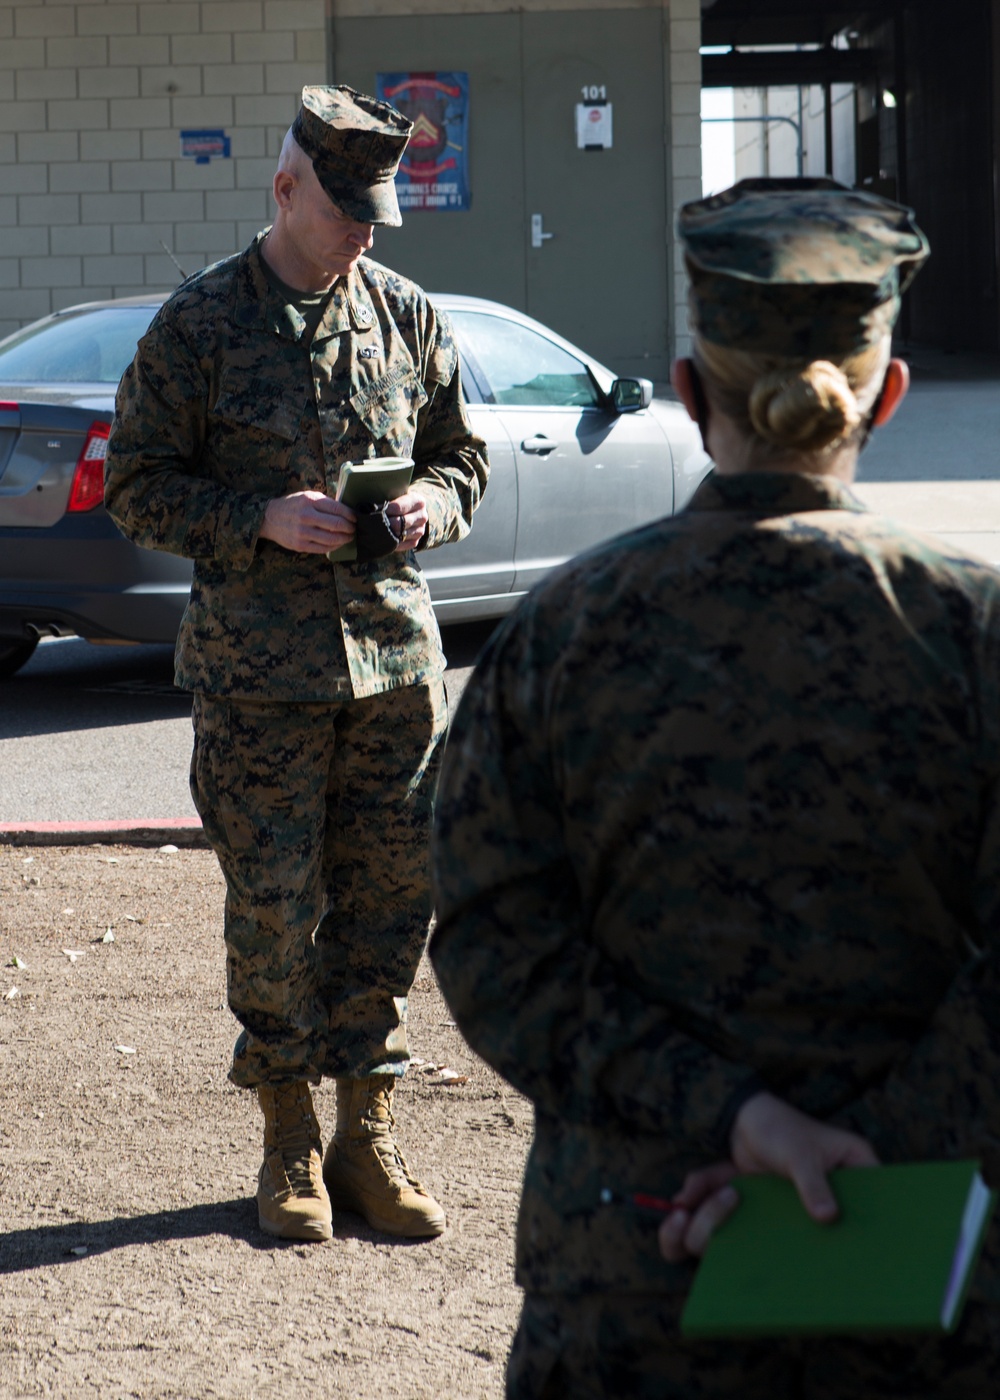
[[298, 1139], [387, 1149]]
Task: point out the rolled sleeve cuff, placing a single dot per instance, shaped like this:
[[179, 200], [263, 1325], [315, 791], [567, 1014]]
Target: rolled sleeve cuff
[[445, 523], [238, 530], [723, 1131]]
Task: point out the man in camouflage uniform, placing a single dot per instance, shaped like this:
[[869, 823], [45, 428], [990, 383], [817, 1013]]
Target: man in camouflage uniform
[[319, 708], [718, 855]]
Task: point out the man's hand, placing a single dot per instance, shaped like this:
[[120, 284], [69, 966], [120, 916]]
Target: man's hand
[[408, 517], [308, 522], [769, 1136]]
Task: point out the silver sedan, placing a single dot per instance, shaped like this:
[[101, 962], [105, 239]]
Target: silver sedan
[[577, 455]]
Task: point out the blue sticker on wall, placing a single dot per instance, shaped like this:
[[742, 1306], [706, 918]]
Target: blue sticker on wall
[[434, 171], [200, 146]]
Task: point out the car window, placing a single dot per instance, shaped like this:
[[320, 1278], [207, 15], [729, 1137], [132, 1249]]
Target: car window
[[523, 367], [82, 347]]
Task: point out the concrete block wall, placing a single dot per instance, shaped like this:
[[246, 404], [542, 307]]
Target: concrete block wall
[[684, 87], [93, 96]]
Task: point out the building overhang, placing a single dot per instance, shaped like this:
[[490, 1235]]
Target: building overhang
[[738, 23], [788, 67]]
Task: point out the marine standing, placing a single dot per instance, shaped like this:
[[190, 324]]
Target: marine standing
[[319, 705], [718, 860]]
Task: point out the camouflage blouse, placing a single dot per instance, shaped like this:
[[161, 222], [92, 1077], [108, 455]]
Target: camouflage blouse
[[227, 404], [720, 811]]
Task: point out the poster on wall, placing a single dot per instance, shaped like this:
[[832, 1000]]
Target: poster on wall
[[434, 171]]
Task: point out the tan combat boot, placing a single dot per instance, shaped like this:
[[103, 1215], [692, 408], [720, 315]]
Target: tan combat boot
[[291, 1199], [365, 1171]]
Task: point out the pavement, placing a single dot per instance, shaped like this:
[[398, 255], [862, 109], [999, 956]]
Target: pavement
[[95, 745]]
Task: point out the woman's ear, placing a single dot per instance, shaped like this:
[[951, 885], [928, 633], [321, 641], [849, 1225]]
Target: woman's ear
[[687, 382], [682, 378], [894, 387]]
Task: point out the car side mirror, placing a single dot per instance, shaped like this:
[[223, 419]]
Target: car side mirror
[[629, 395]]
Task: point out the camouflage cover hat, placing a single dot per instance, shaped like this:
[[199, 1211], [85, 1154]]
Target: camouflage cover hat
[[355, 144], [804, 268]]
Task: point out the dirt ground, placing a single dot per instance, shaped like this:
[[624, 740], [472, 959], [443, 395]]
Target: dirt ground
[[131, 1260]]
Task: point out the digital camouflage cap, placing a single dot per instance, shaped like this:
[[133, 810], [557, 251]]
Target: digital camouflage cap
[[355, 144], [804, 268]]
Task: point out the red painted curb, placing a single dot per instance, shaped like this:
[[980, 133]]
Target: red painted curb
[[161, 831]]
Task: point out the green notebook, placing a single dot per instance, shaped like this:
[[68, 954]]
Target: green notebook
[[370, 483], [899, 1257]]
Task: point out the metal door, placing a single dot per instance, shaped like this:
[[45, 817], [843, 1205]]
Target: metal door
[[601, 278]]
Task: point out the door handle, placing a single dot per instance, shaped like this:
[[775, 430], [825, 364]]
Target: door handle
[[538, 234], [538, 444]]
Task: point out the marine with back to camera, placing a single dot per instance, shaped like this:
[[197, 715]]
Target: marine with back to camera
[[719, 841]]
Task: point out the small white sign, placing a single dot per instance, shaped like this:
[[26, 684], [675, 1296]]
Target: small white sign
[[593, 126]]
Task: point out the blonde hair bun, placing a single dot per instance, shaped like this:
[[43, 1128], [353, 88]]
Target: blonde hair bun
[[805, 409]]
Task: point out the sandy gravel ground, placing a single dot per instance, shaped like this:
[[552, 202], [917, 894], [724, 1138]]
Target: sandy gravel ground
[[131, 1264]]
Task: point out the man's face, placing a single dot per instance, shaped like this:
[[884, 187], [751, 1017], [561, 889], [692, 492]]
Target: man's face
[[325, 237]]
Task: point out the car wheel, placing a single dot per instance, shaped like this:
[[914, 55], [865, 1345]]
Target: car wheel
[[14, 655]]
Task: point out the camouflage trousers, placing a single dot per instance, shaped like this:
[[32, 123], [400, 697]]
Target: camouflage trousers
[[320, 816], [615, 1347]]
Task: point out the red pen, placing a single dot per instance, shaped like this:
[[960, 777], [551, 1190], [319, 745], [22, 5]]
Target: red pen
[[641, 1201]]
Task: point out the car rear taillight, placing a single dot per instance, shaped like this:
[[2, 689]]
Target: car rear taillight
[[87, 490]]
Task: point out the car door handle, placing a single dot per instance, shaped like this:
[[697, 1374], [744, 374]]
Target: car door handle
[[538, 444]]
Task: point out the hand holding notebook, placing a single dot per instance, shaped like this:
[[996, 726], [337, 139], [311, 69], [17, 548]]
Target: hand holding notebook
[[367, 486], [768, 1136], [899, 1256]]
